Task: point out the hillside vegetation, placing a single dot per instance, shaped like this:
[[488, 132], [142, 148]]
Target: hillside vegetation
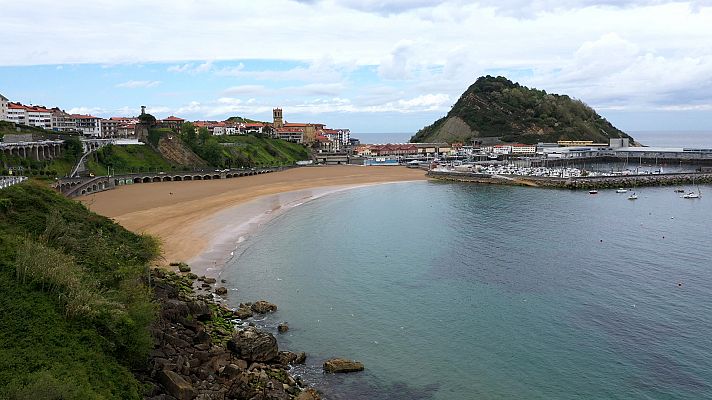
[[251, 150], [75, 310], [498, 107], [128, 159]]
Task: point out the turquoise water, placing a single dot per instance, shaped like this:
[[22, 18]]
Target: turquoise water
[[450, 291]]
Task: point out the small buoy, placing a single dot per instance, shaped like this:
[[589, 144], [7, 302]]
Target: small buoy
[[663, 237], [679, 284], [601, 240]]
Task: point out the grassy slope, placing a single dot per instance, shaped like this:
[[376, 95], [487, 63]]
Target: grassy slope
[[44, 353], [127, 159], [250, 150]]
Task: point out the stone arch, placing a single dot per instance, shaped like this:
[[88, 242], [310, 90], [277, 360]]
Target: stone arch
[[156, 179], [228, 176], [206, 177], [84, 191], [216, 176], [147, 179], [197, 178], [137, 180], [188, 178], [93, 187], [166, 179]]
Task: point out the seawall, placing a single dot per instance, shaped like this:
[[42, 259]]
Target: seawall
[[592, 182]]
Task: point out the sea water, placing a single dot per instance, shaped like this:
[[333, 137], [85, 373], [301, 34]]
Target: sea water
[[457, 291]]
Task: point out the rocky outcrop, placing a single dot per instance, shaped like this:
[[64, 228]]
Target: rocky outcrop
[[190, 359], [282, 327], [251, 344], [342, 365], [263, 307]]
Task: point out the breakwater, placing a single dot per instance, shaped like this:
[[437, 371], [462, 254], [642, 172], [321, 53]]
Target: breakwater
[[588, 182]]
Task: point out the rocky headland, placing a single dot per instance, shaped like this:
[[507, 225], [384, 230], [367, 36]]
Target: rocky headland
[[199, 354]]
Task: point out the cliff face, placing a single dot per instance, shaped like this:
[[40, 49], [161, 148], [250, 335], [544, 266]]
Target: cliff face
[[176, 152], [498, 107]]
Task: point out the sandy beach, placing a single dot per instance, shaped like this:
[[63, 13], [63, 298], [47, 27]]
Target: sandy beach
[[196, 217]]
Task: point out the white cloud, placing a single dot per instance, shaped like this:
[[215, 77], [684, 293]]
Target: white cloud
[[610, 53], [138, 84]]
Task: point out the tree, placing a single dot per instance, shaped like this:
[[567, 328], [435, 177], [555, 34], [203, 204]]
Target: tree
[[203, 135], [187, 133], [212, 152], [147, 119], [73, 149]]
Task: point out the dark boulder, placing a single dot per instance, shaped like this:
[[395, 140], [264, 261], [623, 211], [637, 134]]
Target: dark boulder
[[252, 344], [263, 307]]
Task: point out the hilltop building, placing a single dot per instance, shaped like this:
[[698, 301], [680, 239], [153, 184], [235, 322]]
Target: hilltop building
[[3, 108], [309, 133]]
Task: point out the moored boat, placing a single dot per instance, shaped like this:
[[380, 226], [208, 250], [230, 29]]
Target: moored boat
[[593, 191], [621, 190]]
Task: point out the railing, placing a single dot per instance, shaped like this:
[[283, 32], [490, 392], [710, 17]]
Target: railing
[[7, 181]]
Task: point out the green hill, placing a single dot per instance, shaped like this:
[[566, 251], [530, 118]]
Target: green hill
[[251, 150], [75, 310], [499, 108]]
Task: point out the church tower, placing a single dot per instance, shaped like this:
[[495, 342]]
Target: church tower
[[277, 118]]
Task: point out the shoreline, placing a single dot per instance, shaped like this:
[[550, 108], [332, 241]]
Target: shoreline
[[180, 213], [249, 217]]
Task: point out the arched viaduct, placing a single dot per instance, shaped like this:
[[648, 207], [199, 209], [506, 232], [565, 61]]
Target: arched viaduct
[[73, 187]]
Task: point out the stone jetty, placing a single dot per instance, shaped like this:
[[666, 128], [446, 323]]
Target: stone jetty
[[591, 182]]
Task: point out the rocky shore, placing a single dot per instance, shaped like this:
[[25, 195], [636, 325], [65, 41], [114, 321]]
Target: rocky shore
[[198, 353]]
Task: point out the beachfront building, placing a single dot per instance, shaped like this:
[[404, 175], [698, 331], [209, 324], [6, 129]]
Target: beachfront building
[[88, 125], [39, 116], [523, 149], [29, 115], [16, 113], [62, 121], [3, 107], [430, 150]]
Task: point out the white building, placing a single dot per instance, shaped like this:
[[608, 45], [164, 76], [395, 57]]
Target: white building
[[16, 113], [39, 116], [523, 149], [3, 108], [88, 125]]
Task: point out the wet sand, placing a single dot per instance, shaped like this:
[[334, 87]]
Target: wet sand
[[198, 220]]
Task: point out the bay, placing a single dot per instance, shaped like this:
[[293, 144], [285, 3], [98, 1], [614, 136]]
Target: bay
[[451, 291]]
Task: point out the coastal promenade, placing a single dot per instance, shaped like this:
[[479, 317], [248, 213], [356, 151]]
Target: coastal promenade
[[589, 182]]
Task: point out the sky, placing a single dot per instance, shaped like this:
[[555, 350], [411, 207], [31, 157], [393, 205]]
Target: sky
[[367, 65]]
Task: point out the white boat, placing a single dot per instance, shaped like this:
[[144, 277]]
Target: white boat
[[691, 195], [633, 197], [621, 190], [594, 191]]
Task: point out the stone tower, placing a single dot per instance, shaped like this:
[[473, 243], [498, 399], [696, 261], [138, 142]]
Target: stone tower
[[277, 118]]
